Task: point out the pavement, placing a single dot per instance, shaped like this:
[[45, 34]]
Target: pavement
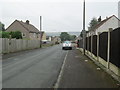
[[80, 72], [53, 67]]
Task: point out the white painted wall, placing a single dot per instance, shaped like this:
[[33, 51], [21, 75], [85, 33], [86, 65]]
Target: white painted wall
[[50, 39]]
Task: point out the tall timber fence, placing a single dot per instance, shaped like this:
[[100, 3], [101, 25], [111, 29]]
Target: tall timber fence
[[15, 45], [103, 45], [115, 47], [80, 43], [105, 49], [94, 45]]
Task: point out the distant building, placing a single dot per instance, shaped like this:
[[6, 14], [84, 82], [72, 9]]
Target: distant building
[[104, 25], [56, 39], [43, 35], [28, 30], [49, 38]]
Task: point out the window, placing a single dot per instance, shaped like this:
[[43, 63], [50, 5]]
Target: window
[[34, 35], [37, 35], [23, 34]]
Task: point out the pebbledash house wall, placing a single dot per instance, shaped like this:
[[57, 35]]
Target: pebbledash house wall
[[111, 23], [44, 36], [34, 36]]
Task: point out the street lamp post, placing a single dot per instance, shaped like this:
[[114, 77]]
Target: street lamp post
[[84, 27], [40, 31]]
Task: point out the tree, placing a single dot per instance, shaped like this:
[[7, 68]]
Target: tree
[[4, 34], [2, 27], [72, 37], [81, 34], [16, 34], [64, 36], [92, 23]]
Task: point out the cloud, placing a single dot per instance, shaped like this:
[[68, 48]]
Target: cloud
[[57, 14], [58, 1]]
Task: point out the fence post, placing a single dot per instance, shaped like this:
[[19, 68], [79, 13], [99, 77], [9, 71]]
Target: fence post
[[108, 49], [87, 45], [91, 44], [98, 38]]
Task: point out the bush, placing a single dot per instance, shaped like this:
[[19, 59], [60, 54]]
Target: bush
[[0, 34], [4, 34], [16, 34]]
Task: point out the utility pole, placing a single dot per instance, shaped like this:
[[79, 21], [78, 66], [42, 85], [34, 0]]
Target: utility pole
[[84, 32], [40, 31]]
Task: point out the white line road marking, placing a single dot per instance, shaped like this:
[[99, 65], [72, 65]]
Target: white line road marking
[[86, 60], [77, 56], [16, 59], [98, 68], [61, 72]]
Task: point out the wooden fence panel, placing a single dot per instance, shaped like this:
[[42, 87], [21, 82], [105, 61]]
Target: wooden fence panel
[[89, 38], [94, 45], [115, 47], [103, 45], [15, 45]]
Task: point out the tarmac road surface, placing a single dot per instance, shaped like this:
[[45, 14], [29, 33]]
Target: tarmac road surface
[[33, 69], [41, 68]]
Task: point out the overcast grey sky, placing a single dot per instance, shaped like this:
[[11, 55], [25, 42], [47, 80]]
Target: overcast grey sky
[[58, 15]]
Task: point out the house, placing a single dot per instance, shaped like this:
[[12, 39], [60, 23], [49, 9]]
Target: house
[[104, 25], [43, 35], [49, 38], [56, 40], [28, 30]]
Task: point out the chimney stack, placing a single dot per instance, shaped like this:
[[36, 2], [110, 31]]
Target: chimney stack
[[99, 19], [27, 22], [106, 17]]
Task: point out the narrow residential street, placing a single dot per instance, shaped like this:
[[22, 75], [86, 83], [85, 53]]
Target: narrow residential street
[[41, 68], [34, 69]]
